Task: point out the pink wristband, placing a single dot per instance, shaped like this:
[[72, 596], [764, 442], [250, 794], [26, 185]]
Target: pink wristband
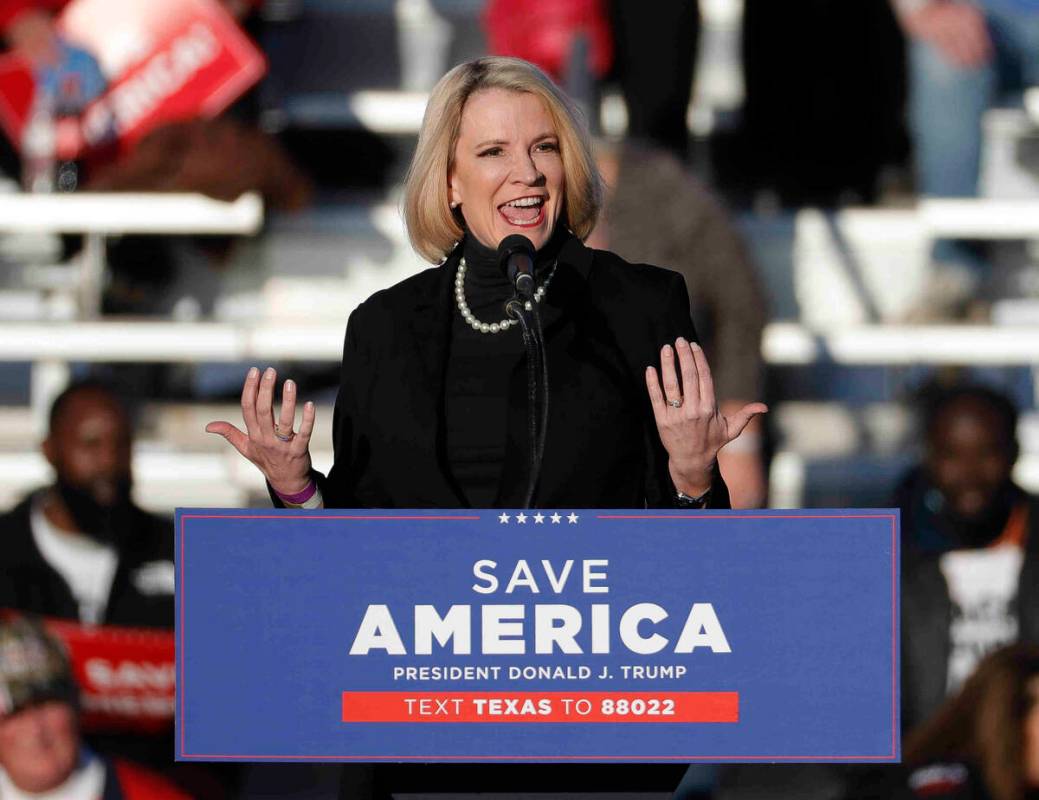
[[299, 498]]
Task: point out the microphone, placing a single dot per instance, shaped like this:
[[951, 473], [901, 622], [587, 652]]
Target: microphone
[[516, 258]]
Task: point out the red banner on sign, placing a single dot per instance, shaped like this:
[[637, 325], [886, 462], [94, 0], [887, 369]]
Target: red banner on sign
[[498, 707], [126, 676]]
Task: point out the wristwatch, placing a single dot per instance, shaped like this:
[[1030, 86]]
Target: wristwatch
[[682, 500]]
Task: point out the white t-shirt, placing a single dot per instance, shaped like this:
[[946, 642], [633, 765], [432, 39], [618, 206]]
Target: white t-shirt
[[982, 586], [88, 566], [87, 782]]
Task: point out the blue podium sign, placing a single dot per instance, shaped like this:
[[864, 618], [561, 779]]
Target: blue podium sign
[[570, 635]]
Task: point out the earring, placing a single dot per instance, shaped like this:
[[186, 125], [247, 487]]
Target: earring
[[454, 204]]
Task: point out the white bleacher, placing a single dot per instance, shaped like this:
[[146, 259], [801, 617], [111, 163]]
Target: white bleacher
[[110, 213], [100, 215], [842, 284], [166, 477], [832, 272], [214, 342], [789, 343]]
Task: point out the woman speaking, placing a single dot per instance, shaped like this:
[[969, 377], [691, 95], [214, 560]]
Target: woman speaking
[[434, 400], [437, 407]]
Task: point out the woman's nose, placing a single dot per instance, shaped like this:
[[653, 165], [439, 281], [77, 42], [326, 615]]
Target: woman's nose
[[527, 171]]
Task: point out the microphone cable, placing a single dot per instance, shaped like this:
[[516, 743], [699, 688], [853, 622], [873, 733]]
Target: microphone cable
[[539, 337], [537, 367]]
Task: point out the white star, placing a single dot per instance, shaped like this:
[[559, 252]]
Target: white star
[[555, 519], [539, 518], [503, 518], [521, 519], [571, 518]]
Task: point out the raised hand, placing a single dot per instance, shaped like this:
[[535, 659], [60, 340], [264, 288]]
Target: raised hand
[[691, 427], [281, 454]]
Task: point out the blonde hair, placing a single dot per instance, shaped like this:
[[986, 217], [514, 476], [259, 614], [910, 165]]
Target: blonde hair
[[433, 226]]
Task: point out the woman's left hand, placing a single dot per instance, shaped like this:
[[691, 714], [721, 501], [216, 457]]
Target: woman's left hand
[[691, 428]]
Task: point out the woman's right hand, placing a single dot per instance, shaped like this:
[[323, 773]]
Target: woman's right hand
[[281, 455]]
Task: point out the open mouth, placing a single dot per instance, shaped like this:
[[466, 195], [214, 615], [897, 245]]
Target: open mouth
[[524, 212]]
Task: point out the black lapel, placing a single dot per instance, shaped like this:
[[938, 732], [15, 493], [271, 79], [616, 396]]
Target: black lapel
[[431, 329]]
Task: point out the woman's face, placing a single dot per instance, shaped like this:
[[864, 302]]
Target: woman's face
[[1032, 734], [508, 173]]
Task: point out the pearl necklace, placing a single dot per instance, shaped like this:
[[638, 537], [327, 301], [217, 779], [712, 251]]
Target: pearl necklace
[[491, 327]]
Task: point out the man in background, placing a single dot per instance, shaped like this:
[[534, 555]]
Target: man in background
[[970, 576], [80, 549], [964, 57], [970, 547]]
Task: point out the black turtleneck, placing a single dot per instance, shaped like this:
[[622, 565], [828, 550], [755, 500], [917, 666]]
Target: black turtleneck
[[479, 368]]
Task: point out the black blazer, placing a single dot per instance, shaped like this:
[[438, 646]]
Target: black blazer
[[605, 322], [28, 583]]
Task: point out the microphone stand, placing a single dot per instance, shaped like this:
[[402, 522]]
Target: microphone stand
[[537, 375]]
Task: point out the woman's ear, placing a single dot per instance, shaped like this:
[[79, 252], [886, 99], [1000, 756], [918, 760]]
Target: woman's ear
[[453, 195]]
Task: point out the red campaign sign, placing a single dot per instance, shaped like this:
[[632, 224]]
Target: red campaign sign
[[163, 60], [126, 676], [583, 707], [16, 95]]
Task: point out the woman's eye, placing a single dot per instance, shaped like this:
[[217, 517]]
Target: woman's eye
[[492, 151], [547, 147]]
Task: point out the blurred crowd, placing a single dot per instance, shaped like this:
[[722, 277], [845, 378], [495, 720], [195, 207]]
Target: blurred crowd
[[845, 102]]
